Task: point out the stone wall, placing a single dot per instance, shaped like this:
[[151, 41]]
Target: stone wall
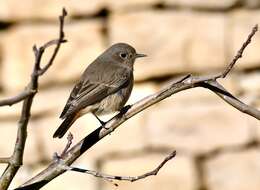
[[217, 146]]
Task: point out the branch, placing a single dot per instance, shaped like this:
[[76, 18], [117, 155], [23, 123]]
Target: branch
[[239, 53], [55, 42], [230, 99], [188, 82], [121, 178], [16, 99], [16, 160], [5, 160]]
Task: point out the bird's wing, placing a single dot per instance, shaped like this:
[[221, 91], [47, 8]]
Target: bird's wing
[[89, 92]]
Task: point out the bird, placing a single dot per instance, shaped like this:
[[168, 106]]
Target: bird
[[103, 88]]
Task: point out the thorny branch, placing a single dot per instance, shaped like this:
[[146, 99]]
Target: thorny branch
[[188, 82], [16, 159]]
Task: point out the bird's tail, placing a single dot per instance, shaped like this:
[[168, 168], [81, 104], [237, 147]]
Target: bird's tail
[[65, 125]]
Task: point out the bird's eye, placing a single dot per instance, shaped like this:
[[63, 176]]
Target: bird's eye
[[123, 55]]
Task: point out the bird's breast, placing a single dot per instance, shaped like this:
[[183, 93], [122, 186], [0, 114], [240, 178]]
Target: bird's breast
[[115, 102]]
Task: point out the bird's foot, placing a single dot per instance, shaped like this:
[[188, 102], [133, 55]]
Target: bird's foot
[[103, 124], [125, 109]]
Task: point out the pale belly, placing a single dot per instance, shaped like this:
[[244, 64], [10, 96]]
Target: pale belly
[[114, 102]]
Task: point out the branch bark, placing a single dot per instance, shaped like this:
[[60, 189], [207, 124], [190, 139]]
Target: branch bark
[[16, 160], [121, 178], [16, 99], [188, 82], [5, 160]]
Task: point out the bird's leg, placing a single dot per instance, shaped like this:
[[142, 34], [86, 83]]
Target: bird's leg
[[100, 121]]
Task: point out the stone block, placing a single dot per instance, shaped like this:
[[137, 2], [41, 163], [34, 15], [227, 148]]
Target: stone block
[[201, 4], [238, 170], [122, 6], [172, 40], [240, 25], [8, 131], [251, 3], [249, 83], [43, 9]]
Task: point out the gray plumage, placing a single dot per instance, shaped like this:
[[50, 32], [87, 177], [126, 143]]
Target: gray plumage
[[104, 87]]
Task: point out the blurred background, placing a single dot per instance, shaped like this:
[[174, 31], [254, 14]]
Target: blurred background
[[217, 146]]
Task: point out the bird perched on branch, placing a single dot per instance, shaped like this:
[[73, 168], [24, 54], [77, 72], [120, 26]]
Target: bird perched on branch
[[103, 88]]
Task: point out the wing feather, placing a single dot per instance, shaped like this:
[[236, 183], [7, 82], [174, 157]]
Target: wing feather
[[88, 92]]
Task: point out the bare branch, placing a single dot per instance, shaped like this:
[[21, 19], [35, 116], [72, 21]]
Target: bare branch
[[187, 82], [16, 160], [239, 53], [16, 99], [123, 178], [57, 42], [230, 99], [5, 160]]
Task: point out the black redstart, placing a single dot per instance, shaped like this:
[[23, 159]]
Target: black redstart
[[104, 87]]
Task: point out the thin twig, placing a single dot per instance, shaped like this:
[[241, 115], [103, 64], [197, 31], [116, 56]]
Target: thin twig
[[16, 160], [239, 53], [58, 43], [121, 178], [16, 99], [69, 138], [5, 160], [52, 171]]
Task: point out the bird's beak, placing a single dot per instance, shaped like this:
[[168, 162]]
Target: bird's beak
[[140, 55]]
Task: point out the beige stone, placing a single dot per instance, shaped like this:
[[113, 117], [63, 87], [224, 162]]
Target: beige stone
[[252, 3], [122, 6], [240, 24], [45, 9], [239, 171], [10, 113], [250, 82], [175, 44], [209, 4], [8, 131], [85, 44], [179, 173], [7, 141], [49, 9], [196, 124]]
